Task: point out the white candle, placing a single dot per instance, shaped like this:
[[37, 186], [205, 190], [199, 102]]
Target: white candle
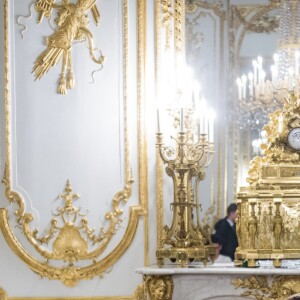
[[205, 127], [158, 125], [262, 85], [259, 62], [274, 75], [260, 72], [276, 59], [211, 126], [201, 122], [254, 63], [250, 77], [181, 119], [239, 84], [244, 82]]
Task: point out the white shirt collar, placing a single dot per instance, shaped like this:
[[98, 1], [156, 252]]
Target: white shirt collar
[[230, 222]]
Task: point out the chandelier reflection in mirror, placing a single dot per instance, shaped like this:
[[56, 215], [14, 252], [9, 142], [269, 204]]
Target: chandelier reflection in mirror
[[186, 155], [261, 92]]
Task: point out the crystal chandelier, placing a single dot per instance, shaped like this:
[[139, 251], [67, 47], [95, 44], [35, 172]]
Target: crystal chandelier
[[261, 92]]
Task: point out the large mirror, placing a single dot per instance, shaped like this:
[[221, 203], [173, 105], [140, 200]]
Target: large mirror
[[222, 40]]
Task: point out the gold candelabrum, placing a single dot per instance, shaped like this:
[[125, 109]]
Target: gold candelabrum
[[185, 241]]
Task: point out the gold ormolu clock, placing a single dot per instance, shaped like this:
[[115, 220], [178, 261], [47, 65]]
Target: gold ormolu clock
[[293, 138]]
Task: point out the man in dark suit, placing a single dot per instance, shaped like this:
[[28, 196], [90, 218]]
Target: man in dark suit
[[226, 233]]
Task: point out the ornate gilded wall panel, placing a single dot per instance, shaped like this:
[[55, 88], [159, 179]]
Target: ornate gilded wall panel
[[83, 136]]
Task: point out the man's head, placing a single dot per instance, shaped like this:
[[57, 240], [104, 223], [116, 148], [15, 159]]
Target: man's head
[[231, 212]]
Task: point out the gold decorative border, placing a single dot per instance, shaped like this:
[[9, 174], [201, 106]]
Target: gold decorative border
[[215, 7], [159, 173], [135, 211], [142, 145], [179, 45], [139, 294], [4, 296]]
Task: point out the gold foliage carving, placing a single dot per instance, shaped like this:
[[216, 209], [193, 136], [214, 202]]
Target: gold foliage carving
[[70, 275], [159, 287], [69, 243], [3, 295], [193, 5], [72, 23], [261, 22], [280, 287], [139, 293]]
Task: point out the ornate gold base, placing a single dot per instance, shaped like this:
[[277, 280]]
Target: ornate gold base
[[184, 256], [276, 255]]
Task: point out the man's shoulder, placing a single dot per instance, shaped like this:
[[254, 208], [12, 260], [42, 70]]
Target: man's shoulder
[[220, 223]]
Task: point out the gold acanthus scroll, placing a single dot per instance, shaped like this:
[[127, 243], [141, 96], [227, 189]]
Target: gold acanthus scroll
[[72, 22]]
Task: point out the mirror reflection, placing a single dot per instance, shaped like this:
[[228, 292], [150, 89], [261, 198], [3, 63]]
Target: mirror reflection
[[224, 40]]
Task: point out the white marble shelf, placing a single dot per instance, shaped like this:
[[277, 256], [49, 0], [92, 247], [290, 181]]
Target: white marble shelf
[[220, 269]]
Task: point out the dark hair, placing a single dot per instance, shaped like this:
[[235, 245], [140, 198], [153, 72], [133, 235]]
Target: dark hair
[[215, 239], [231, 208]]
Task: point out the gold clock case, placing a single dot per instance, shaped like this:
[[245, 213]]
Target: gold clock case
[[269, 210]]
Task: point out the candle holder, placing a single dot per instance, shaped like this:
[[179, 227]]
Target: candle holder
[[185, 241]]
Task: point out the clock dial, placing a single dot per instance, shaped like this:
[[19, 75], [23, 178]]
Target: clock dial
[[293, 138]]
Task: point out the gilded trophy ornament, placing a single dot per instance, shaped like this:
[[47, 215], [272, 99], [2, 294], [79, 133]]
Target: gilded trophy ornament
[[277, 288], [72, 25], [268, 209]]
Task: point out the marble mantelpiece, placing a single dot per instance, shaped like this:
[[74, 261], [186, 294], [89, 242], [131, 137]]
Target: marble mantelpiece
[[216, 282]]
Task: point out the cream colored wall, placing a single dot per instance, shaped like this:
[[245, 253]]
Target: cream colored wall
[[86, 136], [85, 139]]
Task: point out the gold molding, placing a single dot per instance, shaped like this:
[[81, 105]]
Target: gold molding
[[70, 275], [139, 294], [258, 23], [179, 26], [217, 7], [4, 296], [159, 166], [281, 287], [142, 145]]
